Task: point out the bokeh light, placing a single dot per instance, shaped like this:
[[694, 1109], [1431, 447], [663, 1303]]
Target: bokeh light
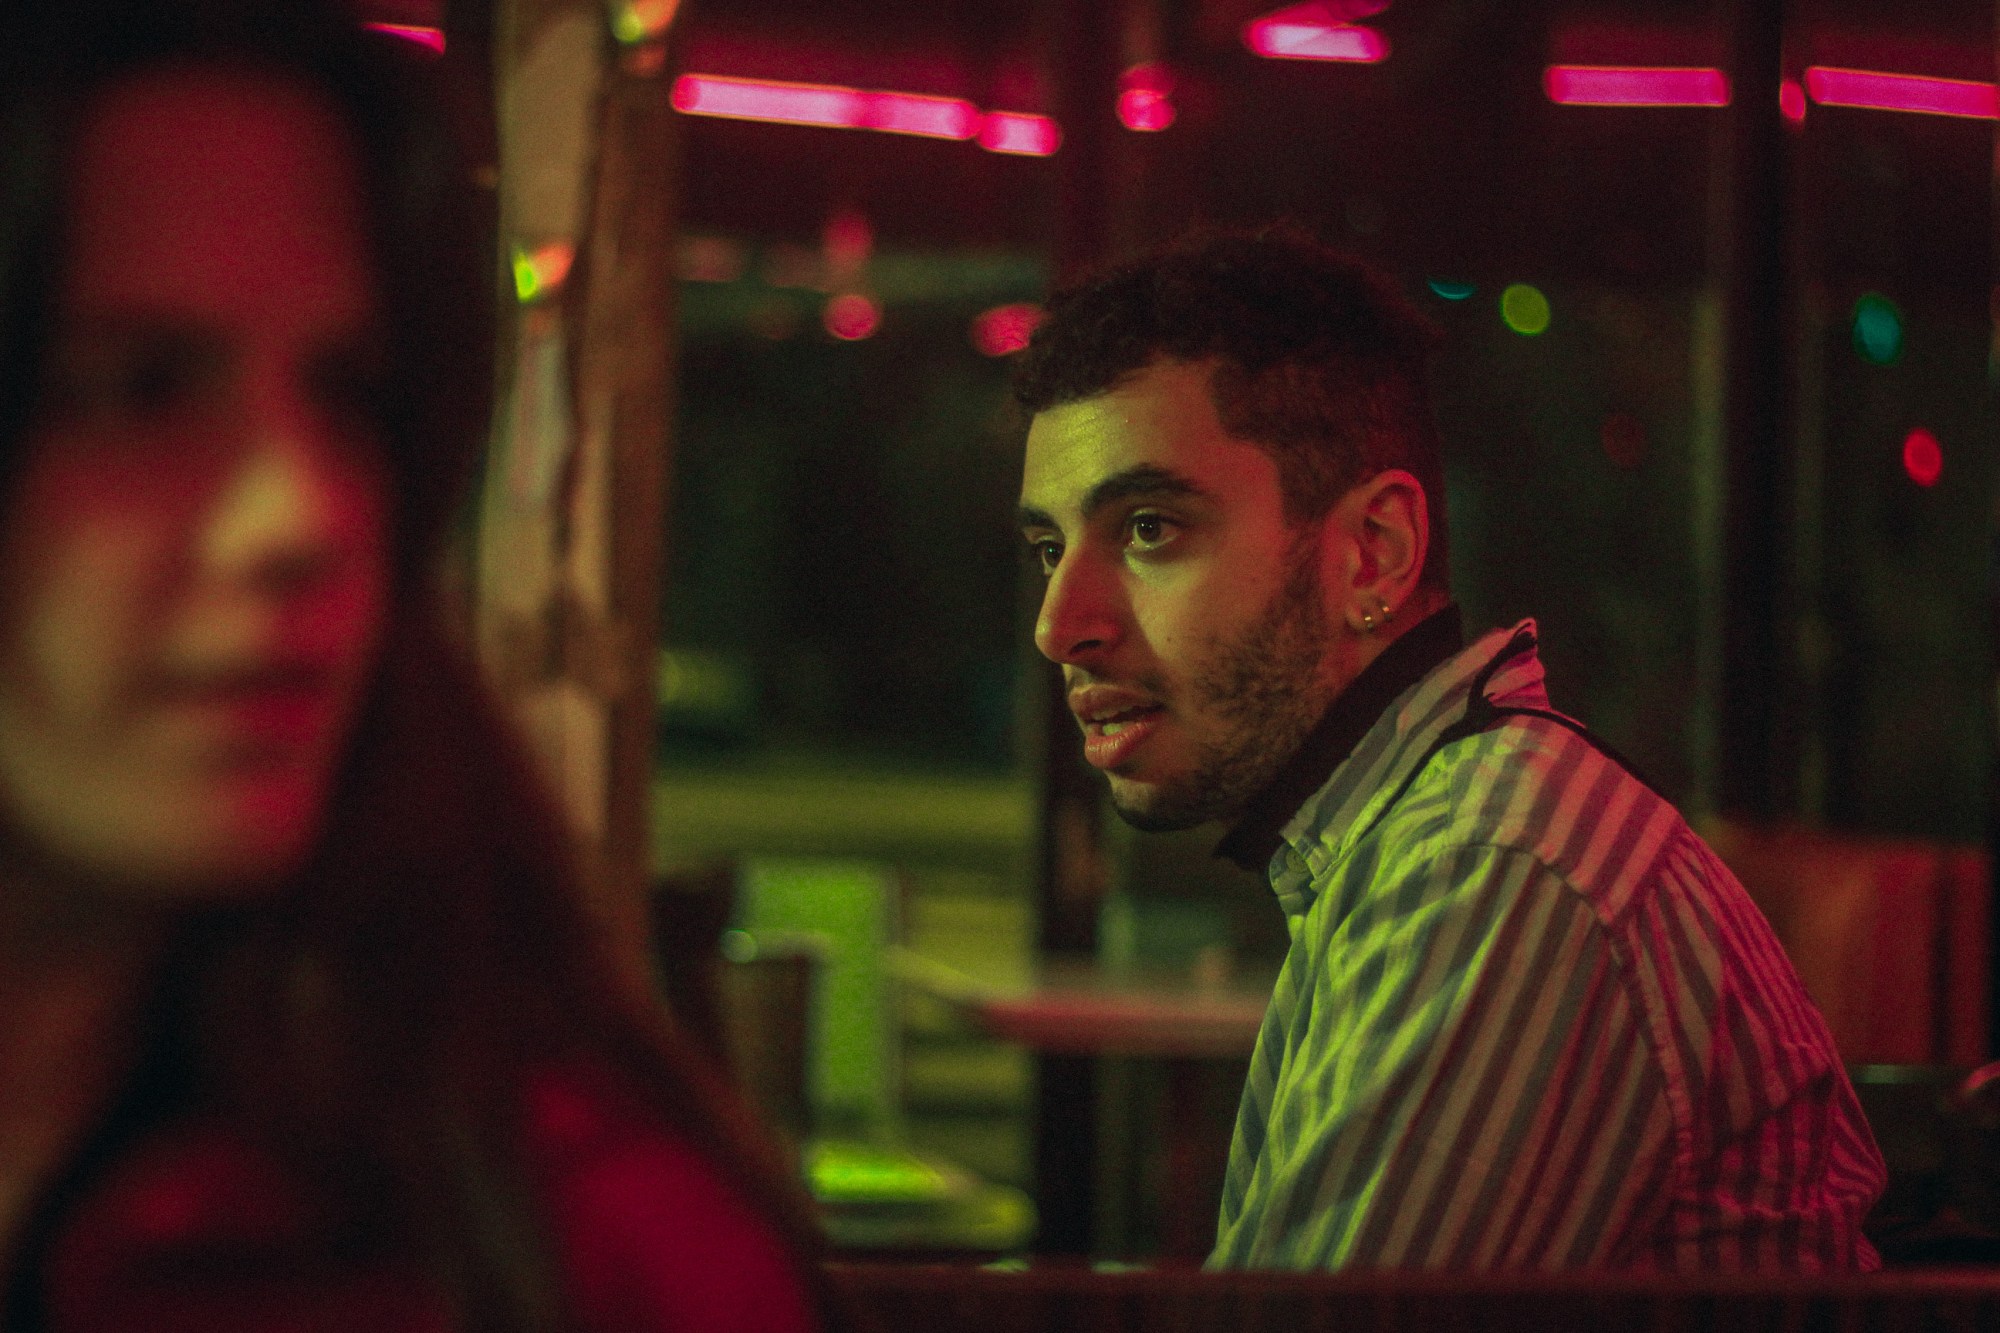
[[1974, 98], [1144, 110], [831, 105], [1005, 328], [1305, 32], [1635, 85], [541, 271], [1145, 97], [1019, 132], [1792, 101], [431, 39], [1525, 309], [852, 316], [1923, 457], [635, 21], [1451, 291], [1878, 329]]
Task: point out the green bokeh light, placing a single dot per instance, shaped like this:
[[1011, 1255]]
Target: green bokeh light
[[1452, 291], [527, 282], [1878, 329], [1525, 309]]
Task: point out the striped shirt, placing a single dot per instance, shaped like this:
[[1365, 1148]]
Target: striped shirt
[[1528, 1020]]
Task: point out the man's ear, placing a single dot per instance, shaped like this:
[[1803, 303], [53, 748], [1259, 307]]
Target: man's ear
[[1377, 538]]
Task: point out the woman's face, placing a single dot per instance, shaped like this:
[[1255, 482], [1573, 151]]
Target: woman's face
[[193, 562]]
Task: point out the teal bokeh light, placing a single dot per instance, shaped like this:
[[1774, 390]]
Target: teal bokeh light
[[1878, 329], [1452, 291]]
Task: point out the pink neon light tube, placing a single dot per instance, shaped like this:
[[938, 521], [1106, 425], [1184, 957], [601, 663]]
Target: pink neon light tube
[[1282, 39], [1632, 85], [1903, 92], [431, 39], [825, 104], [1020, 132]]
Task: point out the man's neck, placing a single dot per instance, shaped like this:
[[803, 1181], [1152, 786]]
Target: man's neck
[[1366, 648], [1392, 667]]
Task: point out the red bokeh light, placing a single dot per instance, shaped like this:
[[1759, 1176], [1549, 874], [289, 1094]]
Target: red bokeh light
[[1005, 328], [1792, 100], [851, 316], [1632, 85], [1145, 110], [1145, 94], [1923, 457], [1020, 132], [1903, 92]]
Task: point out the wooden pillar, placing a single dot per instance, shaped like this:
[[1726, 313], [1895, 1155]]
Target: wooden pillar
[[574, 503], [626, 401]]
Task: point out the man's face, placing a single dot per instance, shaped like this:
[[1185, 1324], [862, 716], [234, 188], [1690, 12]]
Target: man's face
[[1186, 614]]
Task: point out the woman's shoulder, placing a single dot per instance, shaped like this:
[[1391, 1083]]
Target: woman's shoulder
[[195, 1225], [652, 1232], [198, 1224]]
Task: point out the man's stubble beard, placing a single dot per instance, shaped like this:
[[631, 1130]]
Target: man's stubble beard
[[1263, 688]]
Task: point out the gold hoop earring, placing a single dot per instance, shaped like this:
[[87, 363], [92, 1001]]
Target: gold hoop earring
[[1367, 623]]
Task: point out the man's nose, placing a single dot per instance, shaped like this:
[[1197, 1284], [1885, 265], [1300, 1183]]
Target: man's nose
[[1081, 616]]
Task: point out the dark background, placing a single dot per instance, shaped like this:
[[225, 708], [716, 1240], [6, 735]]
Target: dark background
[[842, 530]]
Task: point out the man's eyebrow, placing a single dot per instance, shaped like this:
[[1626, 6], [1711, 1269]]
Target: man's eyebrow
[[1032, 517], [1147, 479]]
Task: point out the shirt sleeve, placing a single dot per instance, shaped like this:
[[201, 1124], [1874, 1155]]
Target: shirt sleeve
[[1465, 1082]]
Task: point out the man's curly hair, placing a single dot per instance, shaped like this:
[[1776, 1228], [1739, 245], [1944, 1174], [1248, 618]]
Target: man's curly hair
[[1318, 359]]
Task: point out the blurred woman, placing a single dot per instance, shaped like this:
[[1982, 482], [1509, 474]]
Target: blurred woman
[[301, 1022]]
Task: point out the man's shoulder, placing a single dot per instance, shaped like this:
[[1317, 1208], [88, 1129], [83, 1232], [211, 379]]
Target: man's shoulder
[[1537, 788]]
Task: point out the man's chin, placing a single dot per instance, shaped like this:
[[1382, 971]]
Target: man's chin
[[1154, 809]]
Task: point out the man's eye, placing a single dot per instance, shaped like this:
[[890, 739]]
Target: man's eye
[[1149, 530], [1045, 553]]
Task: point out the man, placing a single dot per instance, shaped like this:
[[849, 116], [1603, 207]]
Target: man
[[1527, 1018]]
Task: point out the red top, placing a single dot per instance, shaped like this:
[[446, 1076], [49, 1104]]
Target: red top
[[197, 1228]]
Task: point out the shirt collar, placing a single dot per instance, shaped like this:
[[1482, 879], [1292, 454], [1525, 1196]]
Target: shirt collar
[[1258, 834]]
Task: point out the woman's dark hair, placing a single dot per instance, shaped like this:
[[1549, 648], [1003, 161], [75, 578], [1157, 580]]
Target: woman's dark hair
[[372, 1022], [1319, 360]]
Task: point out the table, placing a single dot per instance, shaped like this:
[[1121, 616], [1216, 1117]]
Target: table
[[1079, 1008]]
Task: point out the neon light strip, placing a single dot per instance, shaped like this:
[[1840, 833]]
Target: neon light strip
[[431, 39], [1020, 132], [1903, 92], [1282, 39], [825, 104], [1632, 85]]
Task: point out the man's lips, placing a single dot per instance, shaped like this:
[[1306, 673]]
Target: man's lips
[[1115, 723]]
